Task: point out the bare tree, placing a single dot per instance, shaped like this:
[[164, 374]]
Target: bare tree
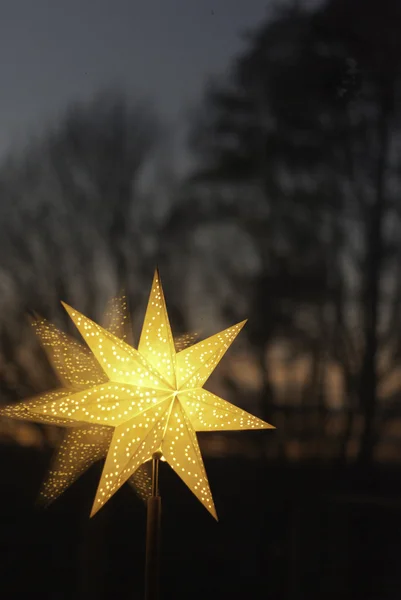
[[308, 123], [75, 211]]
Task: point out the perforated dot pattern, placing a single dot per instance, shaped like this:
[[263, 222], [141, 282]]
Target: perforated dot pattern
[[156, 343], [195, 364], [185, 340], [79, 450], [133, 443], [109, 404], [120, 362], [116, 318], [141, 481], [208, 412], [181, 450], [26, 410], [74, 364], [137, 402]]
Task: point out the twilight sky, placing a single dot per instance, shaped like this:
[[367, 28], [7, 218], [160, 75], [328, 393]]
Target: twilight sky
[[56, 51]]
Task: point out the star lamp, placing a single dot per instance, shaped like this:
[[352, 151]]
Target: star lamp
[[150, 400]]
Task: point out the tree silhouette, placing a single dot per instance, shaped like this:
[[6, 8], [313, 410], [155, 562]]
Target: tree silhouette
[[98, 154], [75, 214], [307, 123]]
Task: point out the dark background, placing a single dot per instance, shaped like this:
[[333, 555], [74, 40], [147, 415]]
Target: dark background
[[264, 181], [283, 532]]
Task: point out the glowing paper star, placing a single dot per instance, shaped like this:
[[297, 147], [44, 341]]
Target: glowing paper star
[[77, 369], [153, 398]]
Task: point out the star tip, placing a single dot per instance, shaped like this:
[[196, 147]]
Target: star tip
[[32, 321], [268, 425], [42, 501], [34, 316], [68, 308]]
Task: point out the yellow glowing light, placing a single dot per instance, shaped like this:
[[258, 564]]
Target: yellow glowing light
[[148, 400], [77, 368]]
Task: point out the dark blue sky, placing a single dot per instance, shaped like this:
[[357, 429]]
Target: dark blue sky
[[56, 51]]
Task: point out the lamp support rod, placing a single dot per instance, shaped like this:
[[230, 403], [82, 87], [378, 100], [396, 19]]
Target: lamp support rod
[[152, 564]]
